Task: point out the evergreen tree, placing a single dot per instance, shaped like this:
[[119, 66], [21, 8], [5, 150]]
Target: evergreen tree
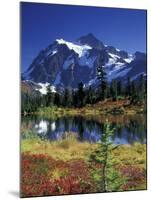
[[49, 97], [113, 90], [80, 95], [43, 101], [67, 97], [134, 93], [128, 88], [119, 88], [108, 176], [75, 98], [30, 102], [101, 75], [57, 99], [142, 88], [90, 96], [108, 95]]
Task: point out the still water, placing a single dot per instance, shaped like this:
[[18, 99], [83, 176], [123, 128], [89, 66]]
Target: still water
[[127, 129]]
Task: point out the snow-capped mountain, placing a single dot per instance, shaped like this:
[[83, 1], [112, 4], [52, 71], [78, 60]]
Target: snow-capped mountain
[[65, 63]]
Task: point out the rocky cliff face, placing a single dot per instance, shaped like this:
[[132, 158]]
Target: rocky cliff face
[[64, 63]]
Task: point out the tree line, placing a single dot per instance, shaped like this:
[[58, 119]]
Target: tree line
[[133, 90]]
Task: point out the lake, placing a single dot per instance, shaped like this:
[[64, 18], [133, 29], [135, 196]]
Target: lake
[[127, 129]]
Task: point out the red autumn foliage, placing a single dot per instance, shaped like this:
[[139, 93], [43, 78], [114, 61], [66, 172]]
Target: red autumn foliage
[[135, 176], [72, 177], [37, 176]]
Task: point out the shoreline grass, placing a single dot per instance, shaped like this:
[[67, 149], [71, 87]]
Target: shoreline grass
[[65, 149], [70, 148], [107, 107]]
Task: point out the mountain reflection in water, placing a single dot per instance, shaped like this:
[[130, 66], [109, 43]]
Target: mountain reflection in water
[[127, 129]]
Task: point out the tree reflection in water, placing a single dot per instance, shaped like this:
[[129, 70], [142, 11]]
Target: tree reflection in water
[[128, 129]]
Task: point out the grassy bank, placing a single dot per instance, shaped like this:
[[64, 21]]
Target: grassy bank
[[65, 149], [108, 107], [70, 148]]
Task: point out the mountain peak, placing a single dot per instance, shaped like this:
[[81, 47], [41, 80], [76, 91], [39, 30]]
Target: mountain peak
[[66, 63], [91, 40], [75, 47], [90, 36]]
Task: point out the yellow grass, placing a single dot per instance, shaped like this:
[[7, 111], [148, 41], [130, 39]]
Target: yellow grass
[[65, 149], [70, 148], [131, 154]]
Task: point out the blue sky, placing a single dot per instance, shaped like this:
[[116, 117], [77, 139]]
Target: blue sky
[[41, 24]]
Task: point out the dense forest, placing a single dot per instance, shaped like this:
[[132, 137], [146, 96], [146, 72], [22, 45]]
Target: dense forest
[[133, 90]]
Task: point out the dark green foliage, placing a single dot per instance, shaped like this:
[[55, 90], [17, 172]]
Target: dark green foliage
[[80, 95], [90, 96], [108, 95], [128, 88], [134, 96], [50, 96], [67, 100], [119, 88], [142, 88], [113, 90], [75, 99], [30, 103], [101, 75], [58, 99], [135, 91]]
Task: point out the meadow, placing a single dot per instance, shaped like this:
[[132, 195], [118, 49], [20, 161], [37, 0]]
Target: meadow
[[65, 167]]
